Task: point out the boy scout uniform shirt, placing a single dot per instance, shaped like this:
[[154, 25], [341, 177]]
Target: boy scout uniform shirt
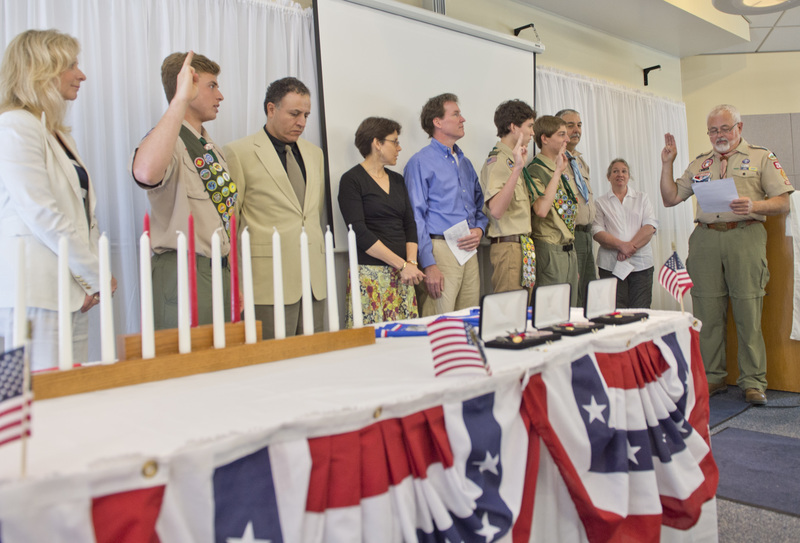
[[586, 210], [494, 175], [755, 170], [551, 228], [181, 192]]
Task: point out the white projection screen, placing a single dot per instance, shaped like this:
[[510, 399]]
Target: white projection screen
[[382, 58]]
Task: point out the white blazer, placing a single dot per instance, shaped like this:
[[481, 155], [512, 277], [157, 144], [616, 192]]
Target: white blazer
[[40, 201]]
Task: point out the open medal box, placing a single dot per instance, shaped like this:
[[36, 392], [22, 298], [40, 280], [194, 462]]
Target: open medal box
[[551, 311], [504, 322], [601, 304]]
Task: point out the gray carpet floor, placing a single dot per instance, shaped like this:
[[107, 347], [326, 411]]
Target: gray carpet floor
[[740, 523]]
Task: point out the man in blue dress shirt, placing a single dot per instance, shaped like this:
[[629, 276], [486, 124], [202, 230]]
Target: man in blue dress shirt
[[444, 191]]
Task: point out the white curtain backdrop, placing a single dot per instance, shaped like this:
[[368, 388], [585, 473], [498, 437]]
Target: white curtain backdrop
[[122, 45], [623, 122]]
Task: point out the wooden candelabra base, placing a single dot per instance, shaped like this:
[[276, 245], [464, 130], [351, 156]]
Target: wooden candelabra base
[[131, 369]]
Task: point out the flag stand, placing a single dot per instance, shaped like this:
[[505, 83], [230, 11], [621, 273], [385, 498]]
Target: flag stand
[[26, 385], [168, 363]]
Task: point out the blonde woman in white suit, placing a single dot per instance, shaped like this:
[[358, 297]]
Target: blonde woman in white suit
[[45, 192]]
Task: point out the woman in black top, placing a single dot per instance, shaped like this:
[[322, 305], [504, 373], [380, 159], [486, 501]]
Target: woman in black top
[[375, 201]]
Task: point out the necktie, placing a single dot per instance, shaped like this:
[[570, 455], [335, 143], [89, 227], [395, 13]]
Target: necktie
[[582, 188], [723, 166], [295, 175]]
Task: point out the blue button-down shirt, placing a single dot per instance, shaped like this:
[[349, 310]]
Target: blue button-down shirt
[[443, 192]]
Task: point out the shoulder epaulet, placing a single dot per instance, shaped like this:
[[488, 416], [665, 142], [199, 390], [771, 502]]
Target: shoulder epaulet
[[711, 152], [757, 147]]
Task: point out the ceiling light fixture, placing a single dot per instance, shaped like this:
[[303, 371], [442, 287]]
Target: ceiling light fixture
[[754, 7]]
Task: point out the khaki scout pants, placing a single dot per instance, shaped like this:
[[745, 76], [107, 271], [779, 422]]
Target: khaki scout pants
[[733, 264], [506, 258], [586, 267], [165, 290], [555, 265]]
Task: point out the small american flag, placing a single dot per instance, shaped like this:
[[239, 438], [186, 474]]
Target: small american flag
[[674, 277], [456, 348], [15, 413]]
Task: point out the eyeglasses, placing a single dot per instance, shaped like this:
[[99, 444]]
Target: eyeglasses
[[396, 142], [721, 130]]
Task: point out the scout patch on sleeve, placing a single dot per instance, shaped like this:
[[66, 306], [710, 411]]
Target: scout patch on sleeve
[[707, 164], [491, 160], [510, 163]]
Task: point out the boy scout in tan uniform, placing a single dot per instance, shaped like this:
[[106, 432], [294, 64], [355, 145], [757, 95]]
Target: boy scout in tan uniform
[[184, 172], [556, 259], [586, 207], [508, 206], [727, 251]]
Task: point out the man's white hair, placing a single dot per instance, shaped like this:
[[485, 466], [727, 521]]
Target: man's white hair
[[734, 113]]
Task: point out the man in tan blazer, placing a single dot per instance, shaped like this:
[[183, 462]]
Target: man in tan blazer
[[281, 185]]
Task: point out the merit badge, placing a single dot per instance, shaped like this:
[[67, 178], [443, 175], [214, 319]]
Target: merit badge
[[232, 186], [208, 158], [221, 208], [217, 167], [707, 164], [211, 185], [230, 201], [220, 180], [225, 192], [205, 174], [199, 162], [226, 218], [226, 176], [216, 197]]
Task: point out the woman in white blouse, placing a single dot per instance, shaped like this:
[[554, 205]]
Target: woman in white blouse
[[623, 226], [45, 192]]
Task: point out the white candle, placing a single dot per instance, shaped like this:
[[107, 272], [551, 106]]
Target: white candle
[[247, 288], [330, 274], [20, 304], [305, 279], [355, 285], [108, 351], [146, 297], [277, 284], [217, 300], [184, 315], [64, 312]]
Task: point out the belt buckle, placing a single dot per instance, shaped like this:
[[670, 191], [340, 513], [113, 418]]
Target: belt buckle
[[719, 226]]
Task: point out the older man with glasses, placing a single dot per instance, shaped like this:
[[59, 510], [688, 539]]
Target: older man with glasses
[[728, 251]]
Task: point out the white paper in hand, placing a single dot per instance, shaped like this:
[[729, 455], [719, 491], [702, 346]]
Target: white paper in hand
[[452, 235], [715, 196], [622, 268]]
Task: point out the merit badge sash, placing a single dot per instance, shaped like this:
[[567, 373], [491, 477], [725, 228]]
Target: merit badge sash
[[216, 180], [565, 203]]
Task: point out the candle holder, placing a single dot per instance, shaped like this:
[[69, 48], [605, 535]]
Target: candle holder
[[168, 363]]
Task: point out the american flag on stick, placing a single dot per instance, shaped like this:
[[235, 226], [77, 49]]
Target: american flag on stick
[[15, 397], [674, 277], [456, 348]]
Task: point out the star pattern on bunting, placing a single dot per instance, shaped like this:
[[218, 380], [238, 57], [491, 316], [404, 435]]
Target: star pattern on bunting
[[487, 530], [247, 536], [595, 411], [632, 450], [489, 463]]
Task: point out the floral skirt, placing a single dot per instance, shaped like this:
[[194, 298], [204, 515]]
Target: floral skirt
[[383, 297]]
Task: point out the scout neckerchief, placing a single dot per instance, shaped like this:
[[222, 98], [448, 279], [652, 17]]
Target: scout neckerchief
[[565, 202], [526, 243], [216, 180]]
